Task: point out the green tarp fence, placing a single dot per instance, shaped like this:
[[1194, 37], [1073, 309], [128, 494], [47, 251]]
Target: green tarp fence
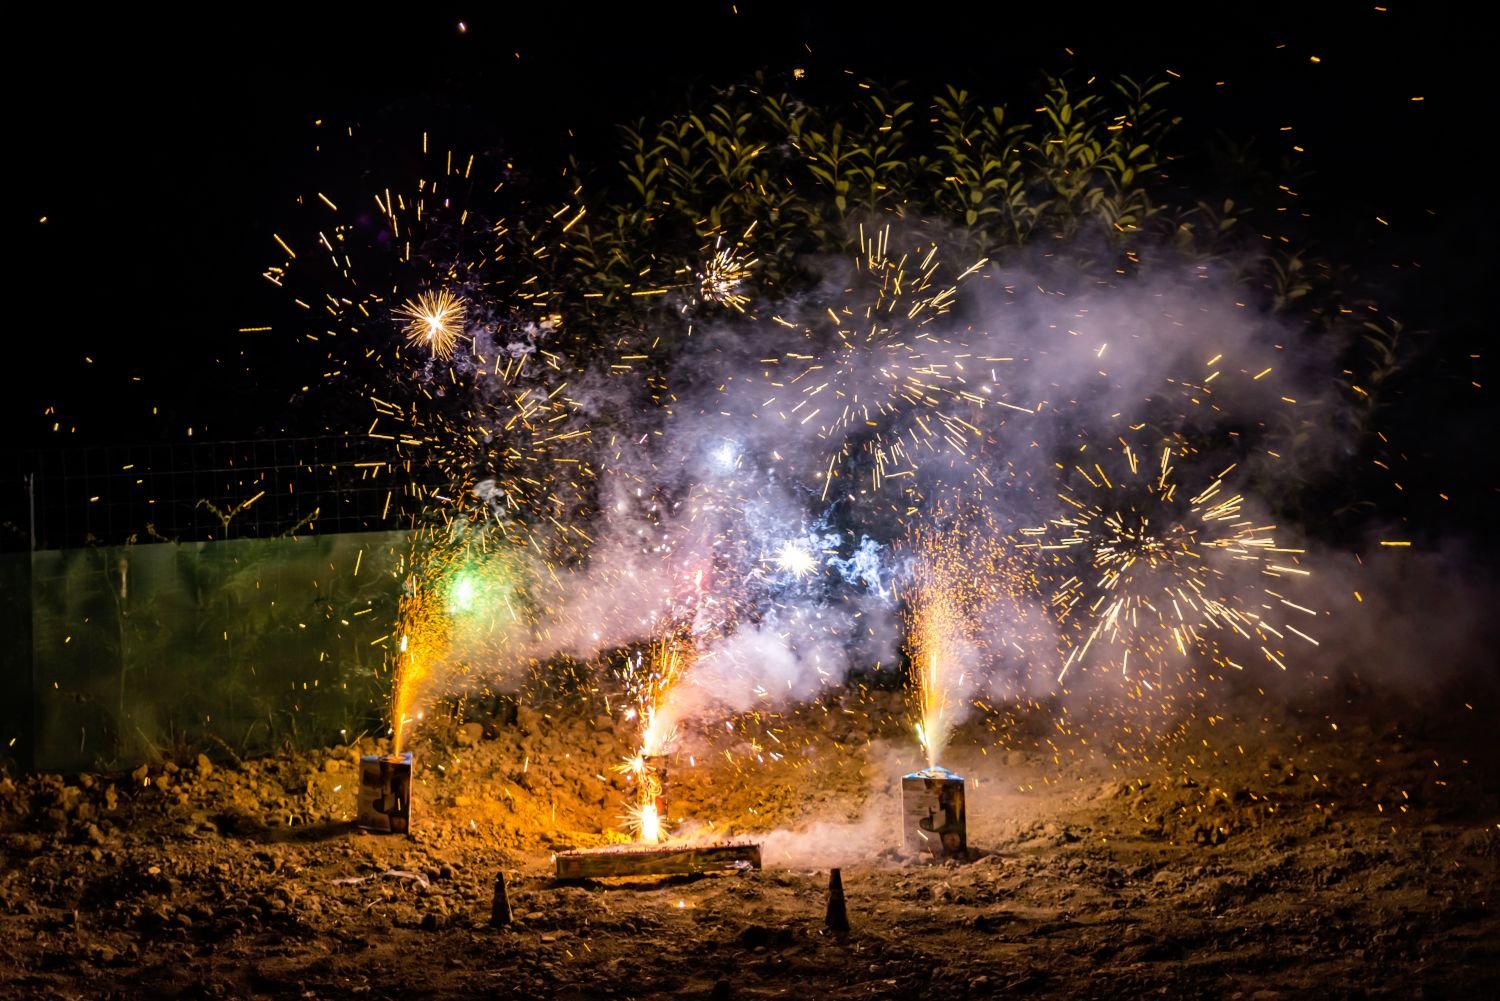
[[116, 656]]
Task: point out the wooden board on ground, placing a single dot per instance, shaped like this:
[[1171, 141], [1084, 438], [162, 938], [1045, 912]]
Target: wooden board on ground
[[658, 860]]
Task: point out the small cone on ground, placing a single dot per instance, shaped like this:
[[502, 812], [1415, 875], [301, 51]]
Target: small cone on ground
[[500, 909], [838, 918]]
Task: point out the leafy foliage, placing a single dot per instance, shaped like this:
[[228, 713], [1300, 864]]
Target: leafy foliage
[[803, 177]]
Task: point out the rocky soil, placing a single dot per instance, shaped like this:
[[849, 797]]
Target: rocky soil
[[1261, 855]]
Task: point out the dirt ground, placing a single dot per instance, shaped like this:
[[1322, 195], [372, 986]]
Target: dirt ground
[[1260, 855]]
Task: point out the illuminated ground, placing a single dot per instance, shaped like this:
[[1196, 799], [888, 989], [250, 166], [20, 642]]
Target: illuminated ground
[[1266, 856]]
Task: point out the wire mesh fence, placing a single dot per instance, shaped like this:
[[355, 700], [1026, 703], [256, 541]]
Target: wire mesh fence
[[199, 491], [226, 594]]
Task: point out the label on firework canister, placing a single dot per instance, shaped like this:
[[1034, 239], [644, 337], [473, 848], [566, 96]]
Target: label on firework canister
[[933, 822], [385, 793]]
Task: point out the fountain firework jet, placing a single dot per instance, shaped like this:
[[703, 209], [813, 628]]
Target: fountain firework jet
[[957, 575], [652, 679], [421, 645], [933, 668]]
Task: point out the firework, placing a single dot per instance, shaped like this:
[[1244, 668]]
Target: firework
[[384, 800], [934, 823], [443, 224], [794, 558], [435, 321], [723, 275], [956, 574], [884, 384], [650, 679], [421, 644], [1158, 569], [933, 645]]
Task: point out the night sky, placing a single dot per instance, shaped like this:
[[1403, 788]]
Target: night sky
[[157, 154]]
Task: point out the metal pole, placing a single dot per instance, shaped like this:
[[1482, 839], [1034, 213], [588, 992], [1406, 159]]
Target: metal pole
[[31, 505]]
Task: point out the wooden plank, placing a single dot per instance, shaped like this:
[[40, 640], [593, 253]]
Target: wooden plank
[[659, 860]]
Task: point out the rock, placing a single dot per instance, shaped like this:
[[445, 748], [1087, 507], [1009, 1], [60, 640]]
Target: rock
[[69, 799]]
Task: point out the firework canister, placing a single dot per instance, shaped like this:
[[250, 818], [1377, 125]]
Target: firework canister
[[933, 822], [385, 793]]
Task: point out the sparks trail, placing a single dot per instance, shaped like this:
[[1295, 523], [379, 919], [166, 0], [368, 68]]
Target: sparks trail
[[514, 440], [440, 251]]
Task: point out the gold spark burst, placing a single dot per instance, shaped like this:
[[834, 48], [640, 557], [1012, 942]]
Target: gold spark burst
[[794, 558], [722, 276], [1157, 570], [434, 321]]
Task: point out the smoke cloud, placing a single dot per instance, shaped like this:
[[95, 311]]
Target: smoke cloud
[[759, 495]]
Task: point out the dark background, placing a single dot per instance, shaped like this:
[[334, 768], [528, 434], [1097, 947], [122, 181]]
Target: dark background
[[164, 150]]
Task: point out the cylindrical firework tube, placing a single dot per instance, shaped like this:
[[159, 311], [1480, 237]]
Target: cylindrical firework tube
[[385, 793], [934, 824]]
